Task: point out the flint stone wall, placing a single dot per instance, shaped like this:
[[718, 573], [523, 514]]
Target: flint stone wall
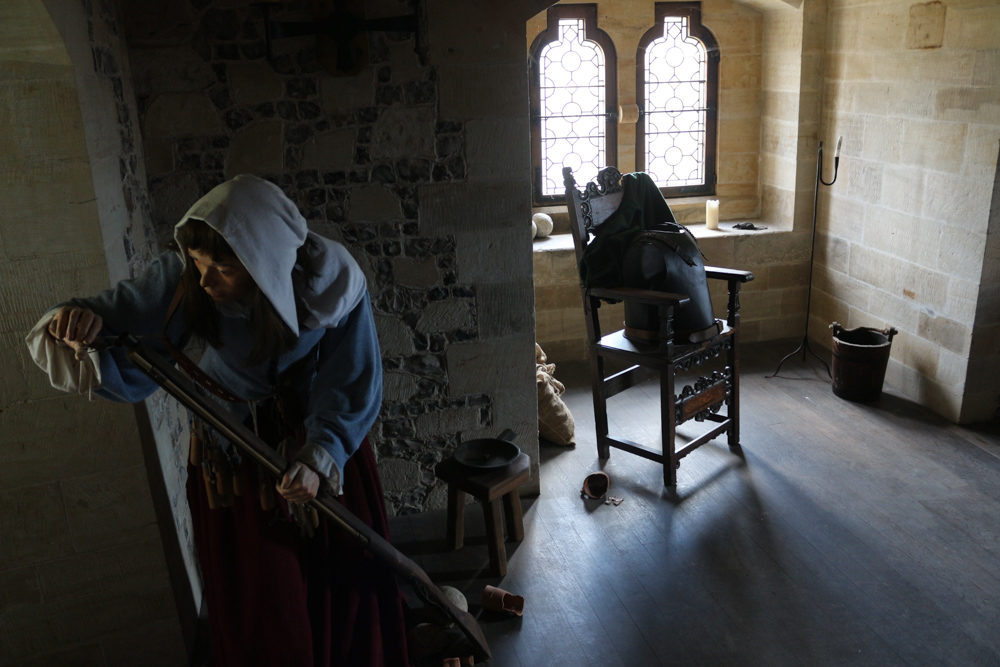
[[380, 163]]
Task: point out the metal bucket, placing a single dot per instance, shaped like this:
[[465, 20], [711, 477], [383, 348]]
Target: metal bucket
[[859, 359]]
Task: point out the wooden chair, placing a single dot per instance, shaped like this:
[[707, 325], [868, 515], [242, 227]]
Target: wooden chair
[[702, 400]]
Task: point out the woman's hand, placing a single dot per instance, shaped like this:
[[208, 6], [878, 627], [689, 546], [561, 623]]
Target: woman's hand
[[75, 326], [300, 483]]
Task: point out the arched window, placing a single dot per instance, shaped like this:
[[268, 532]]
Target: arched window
[[573, 99], [677, 92]]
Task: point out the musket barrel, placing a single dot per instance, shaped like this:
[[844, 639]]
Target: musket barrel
[[181, 388]]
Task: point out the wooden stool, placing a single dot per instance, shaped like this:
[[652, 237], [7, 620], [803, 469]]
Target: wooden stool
[[488, 487]]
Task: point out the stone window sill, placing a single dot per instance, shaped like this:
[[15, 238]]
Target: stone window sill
[[564, 242]]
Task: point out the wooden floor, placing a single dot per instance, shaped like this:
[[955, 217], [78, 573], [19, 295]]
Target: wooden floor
[[848, 535]]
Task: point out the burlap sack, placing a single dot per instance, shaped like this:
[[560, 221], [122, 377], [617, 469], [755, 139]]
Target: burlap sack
[[555, 422]]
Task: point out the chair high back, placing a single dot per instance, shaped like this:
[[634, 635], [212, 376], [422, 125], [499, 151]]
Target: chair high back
[[590, 208]]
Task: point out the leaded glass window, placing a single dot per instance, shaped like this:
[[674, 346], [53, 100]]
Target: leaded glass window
[[571, 99], [677, 81]]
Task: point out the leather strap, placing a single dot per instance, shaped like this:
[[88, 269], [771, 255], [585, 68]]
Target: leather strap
[[191, 368], [641, 334]]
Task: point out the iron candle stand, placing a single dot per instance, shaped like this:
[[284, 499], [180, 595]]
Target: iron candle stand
[[804, 345]]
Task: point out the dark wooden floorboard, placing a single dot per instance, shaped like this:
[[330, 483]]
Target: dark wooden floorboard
[[876, 494], [846, 535]]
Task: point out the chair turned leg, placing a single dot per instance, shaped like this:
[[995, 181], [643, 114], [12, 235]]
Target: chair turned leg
[[734, 443], [669, 475], [668, 427], [456, 517], [733, 410], [512, 510], [600, 406], [494, 537], [733, 432]]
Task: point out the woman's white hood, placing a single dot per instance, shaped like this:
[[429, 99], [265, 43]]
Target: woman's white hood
[[265, 230]]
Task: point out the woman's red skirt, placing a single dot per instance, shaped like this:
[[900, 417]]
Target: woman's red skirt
[[276, 597]]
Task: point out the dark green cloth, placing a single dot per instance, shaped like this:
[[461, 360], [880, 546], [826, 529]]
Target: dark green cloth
[[642, 208]]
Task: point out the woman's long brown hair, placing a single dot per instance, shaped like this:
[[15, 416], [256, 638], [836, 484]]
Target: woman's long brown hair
[[271, 336]]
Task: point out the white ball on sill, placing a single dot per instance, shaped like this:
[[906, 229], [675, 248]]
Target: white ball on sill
[[543, 222], [534, 230]]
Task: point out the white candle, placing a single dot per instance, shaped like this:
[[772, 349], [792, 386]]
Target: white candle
[[712, 214]]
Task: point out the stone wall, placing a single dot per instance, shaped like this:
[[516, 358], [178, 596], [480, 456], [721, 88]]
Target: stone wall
[[790, 111], [780, 117], [560, 327], [907, 238], [92, 35], [418, 164], [772, 306], [907, 234], [84, 577], [981, 396]]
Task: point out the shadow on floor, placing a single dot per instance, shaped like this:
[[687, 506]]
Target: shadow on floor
[[848, 535]]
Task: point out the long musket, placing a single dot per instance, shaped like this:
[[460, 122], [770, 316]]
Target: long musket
[[181, 388]]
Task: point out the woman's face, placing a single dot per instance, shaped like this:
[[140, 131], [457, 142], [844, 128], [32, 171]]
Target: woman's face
[[224, 281]]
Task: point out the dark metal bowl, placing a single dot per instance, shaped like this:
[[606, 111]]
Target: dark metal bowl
[[488, 453]]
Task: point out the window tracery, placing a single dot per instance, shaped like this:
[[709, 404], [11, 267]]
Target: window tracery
[[573, 68], [677, 90]]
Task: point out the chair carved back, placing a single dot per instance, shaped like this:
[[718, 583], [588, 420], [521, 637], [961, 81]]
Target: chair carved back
[[591, 207]]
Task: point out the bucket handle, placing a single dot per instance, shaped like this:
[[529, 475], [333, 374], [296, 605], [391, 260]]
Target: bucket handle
[[888, 332]]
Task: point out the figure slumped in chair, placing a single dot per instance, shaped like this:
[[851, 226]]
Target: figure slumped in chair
[[641, 256]]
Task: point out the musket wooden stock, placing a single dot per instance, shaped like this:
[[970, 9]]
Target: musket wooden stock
[[181, 388]]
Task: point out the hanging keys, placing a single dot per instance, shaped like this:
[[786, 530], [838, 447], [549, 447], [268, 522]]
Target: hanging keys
[[312, 517], [266, 489], [197, 442], [211, 491], [236, 465]]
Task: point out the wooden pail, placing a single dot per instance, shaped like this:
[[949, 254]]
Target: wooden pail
[[860, 357]]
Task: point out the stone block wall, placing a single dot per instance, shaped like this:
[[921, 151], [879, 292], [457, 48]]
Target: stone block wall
[[418, 164], [781, 74], [771, 306], [981, 396], [560, 326], [908, 233], [791, 82], [92, 36], [84, 571]]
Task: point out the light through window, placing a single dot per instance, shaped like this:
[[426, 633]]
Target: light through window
[[676, 106], [572, 90]]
